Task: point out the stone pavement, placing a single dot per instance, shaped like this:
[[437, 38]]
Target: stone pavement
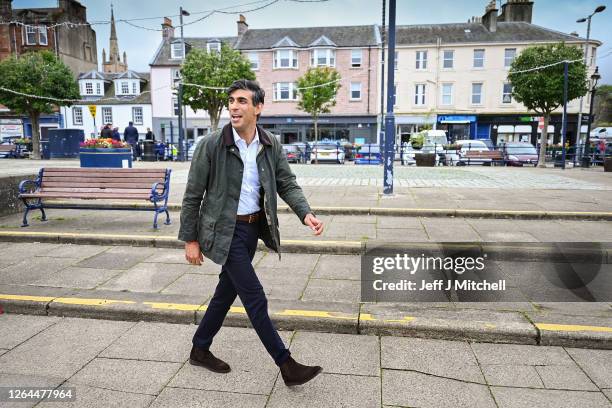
[[140, 364]]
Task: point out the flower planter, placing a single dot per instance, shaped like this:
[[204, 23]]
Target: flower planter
[[425, 159], [121, 158]]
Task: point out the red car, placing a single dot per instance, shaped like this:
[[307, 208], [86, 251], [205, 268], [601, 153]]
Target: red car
[[519, 153]]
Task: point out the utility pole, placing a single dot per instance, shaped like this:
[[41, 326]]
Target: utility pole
[[389, 117], [182, 112], [381, 137], [564, 125]]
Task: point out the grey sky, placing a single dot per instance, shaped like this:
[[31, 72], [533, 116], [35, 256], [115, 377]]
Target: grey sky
[[140, 44]]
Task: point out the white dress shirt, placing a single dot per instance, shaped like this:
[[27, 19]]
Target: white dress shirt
[[249, 191]]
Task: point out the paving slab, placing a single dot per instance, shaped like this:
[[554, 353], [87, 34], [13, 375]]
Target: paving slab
[[62, 349], [348, 291], [190, 398], [93, 397], [338, 267], [27, 380], [79, 252], [435, 357], [144, 277], [15, 329], [193, 284], [154, 342], [431, 391], [253, 370], [117, 258], [565, 378], [329, 390], [338, 353], [525, 397], [30, 270], [595, 363], [518, 354], [78, 278], [508, 375], [145, 377]]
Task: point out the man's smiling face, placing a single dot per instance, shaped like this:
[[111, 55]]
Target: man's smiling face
[[243, 114]]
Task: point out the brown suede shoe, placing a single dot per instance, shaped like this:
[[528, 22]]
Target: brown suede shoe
[[295, 373], [206, 359]]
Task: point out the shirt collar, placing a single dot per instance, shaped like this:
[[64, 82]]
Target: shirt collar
[[237, 136]]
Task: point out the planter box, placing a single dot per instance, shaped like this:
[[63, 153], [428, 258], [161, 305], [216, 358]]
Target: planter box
[[120, 158], [608, 164], [425, 159]]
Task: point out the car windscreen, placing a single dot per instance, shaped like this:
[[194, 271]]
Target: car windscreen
[[520, 149], [369, 149], [290, 148]]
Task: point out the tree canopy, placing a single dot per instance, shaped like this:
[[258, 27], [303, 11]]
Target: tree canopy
[[317, 89]]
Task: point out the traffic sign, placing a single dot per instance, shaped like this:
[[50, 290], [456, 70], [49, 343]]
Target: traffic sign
[[92, 110]]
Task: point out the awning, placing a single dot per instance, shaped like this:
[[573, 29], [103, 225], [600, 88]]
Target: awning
[[455, 121], [505, 129], [413, 120], [522, 129]]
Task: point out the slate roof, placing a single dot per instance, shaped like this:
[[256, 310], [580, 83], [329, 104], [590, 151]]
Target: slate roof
[[342, 36], [142, 99], [478, 33], [162, 57]]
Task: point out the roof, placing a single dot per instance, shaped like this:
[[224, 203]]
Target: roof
[[142, 99], [303, 37], [162, 57], [477, 33]]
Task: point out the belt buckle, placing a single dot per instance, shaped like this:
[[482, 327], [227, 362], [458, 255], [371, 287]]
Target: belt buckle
[[251, 218]]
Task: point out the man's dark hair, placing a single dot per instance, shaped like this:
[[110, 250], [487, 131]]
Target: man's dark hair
[[131, 124], [248, 85]]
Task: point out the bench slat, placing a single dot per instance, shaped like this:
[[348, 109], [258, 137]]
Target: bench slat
[[77, 174], [96, 190], [100, 170], [87, 195], [47, 184], [73, 179]]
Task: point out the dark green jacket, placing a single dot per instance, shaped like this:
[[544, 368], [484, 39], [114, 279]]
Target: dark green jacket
[[213, 188]]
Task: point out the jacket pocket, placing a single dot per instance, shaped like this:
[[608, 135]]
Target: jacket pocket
[[207, 232]]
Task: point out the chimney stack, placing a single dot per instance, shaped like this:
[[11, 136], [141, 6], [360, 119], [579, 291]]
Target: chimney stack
[[489, 19], [167, 29], [242, 25], [516, 11]]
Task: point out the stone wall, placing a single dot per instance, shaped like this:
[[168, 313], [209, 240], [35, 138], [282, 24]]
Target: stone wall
[[9, 192]]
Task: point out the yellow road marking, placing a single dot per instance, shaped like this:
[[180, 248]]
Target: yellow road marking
[[27, 297], [366, 316], [91, 302], [237, 309], [406, 319], [313, 313], [572, 327], [171, 306]]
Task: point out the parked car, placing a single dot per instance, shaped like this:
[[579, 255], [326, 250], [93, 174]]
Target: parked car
[[601, 133], [293, 153], [193, 146], [368, 154], [327, 151], [519, 153], [465, 146]]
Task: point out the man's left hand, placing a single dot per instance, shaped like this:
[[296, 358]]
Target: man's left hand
[[314, 223]]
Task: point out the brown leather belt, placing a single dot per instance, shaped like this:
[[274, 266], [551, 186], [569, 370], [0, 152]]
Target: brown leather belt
[[250, 218]]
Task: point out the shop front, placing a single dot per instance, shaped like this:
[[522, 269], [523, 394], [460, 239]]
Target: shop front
[[409, 124], [461, 127], [527, 128], [290, 129]]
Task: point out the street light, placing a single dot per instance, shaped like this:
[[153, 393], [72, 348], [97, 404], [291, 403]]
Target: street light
[[182, 112], [599, 9], [594, 79]]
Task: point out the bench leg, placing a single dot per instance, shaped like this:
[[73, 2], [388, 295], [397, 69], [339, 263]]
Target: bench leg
[[155, 220], [25, 217], [44, 216], [167, 218]]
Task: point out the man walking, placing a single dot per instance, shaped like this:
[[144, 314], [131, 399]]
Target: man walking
[[130, 136], [230, 202]]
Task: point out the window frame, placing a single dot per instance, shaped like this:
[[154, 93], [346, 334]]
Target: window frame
[[452, 59], [98, 88], [353, 63], [504, 93], [417, 94], [216, 49], [351, 97], [480, 94], [278, 91], [330, 57], [253, 61], [78, 122], [450, 95], [89, 88], [134, 88], [474, 59], [126, 90], [506, 63], [175, 106], [421, 63], [134, 116], [173, 50], [175, 77], [42, 30], [107, 112], [31, 30], [292, 58]]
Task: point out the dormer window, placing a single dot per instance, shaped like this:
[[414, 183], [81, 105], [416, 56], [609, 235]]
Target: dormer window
[[178, 50], [213, 46], [125, 88], [98, 88], [323, 57], [285, 59]]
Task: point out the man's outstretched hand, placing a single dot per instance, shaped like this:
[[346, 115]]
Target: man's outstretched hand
[[314, 223], [193, 255]]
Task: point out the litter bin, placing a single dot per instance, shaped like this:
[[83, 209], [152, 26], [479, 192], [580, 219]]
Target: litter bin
[[44, 145], [149, 151], [64, 143]]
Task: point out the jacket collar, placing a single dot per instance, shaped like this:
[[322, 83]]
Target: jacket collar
[[228, 136]]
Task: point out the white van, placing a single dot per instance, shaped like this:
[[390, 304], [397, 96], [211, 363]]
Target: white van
[[601, 133]]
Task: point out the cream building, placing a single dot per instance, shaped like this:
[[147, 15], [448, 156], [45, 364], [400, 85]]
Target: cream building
[[454, 76]]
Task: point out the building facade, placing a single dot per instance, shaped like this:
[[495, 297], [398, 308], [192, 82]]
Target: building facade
[[454, 77]]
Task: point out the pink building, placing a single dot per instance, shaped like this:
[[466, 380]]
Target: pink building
[[279, 56]]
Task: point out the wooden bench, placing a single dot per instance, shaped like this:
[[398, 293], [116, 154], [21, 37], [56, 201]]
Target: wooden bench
[[9, 148], [492, 156], [151, 185]]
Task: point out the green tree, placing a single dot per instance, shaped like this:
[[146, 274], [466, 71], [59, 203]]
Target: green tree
[[541, 90], [214, 69], [36, 73], [317, 89]]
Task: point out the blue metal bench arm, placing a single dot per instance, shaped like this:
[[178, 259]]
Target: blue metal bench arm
[[156, 197]]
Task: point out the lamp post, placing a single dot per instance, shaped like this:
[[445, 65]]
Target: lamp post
[[599, 9], [586, 162], [182, 113]]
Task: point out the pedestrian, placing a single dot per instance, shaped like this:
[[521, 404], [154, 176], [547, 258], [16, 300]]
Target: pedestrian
[[237, 171], [107, 132], [116, 135], [130, 136], [150, 135]]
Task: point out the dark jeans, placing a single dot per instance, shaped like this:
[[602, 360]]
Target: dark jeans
[[238, 278], [135, 150]]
